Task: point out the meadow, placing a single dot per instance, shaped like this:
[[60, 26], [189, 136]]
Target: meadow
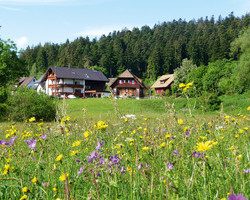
[[129, 149]]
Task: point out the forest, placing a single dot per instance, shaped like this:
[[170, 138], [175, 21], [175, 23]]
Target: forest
[[148, 52]]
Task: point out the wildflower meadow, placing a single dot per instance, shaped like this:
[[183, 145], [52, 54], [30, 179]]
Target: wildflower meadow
[[127, 157]]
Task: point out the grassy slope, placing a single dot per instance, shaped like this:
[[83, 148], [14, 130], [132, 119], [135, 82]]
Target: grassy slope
[[104, 108]]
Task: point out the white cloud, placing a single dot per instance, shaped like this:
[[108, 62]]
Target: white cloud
[[10, 8], [22, 42]]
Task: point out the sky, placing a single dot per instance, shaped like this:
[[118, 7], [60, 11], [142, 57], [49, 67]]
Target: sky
[[30, 22]]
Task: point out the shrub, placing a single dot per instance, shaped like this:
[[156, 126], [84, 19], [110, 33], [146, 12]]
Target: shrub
[[26, 103], [209, 101], [3, 95]]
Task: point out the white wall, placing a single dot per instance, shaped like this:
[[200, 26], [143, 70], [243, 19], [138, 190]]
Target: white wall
[[68, 81], [32, 83]]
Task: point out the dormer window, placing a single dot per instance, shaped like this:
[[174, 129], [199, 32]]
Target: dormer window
[[133, 82], [120, 81], [124, 81], [162, 82]]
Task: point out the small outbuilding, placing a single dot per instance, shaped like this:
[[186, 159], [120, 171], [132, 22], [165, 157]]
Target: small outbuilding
[[163, 83]]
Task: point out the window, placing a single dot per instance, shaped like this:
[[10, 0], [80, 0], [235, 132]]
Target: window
[[133, 82], [120, 81], [124, 81], [162, 81]]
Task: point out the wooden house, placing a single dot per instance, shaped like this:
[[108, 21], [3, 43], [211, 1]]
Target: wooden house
[[64, 81], [163, 83], [127, 84]]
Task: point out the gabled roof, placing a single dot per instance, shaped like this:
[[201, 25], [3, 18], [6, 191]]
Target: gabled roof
[[24, 81], [128, 74], [164, 81], [111, 81], [78, 73]]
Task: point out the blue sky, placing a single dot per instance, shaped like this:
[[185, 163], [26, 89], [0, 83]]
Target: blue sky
[[30, 22]]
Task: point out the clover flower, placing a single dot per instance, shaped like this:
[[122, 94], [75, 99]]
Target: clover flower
[[92, 156], [99, 144], [246, 171], [169, 166]]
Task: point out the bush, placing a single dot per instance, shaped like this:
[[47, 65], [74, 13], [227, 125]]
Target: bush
[[3, 95], [209, 102], [26, 103]]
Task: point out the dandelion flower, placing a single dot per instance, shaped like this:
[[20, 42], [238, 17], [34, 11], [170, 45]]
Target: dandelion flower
[[182, 85], [86, 134], [180, 121], [59, 158], [63, 177], [32, 119], [25, 189], [76, 143], [145, 148], [204, 146], [24, 197], [34, 180]]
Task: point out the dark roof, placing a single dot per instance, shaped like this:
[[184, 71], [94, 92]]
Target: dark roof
[[79, 73], [24, 81]]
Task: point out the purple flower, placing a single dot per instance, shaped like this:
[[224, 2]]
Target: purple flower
[[12, 140], [46, 184], [80, 171], [187, 133], [147, 165], [43, 137], [32, 144], [102, 160], [139, 166], [198, 155], [77, 160], [98, 174], [246, 171], [99, 144], [169, 166], [114, 159], [92, 156], [176, 152], [123, 169], [238, 197], [2, 142]]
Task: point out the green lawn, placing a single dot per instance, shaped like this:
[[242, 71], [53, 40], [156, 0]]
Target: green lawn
[[152, 108]]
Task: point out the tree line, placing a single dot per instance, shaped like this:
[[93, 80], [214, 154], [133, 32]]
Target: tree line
[[148, 52]]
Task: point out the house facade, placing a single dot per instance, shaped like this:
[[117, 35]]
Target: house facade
[[64, 81], [163, 83], [127, 84]]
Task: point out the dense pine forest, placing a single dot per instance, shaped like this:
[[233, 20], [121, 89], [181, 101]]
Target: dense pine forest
[[149, 52]]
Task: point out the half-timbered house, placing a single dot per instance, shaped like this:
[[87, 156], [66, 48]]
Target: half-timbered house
[[64, 81], [127, 84]]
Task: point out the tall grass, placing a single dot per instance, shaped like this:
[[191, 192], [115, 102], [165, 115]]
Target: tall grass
[[164, 156]]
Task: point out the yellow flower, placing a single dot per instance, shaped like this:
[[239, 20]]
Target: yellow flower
[[248, 108], [227, 117], [125, 119], [74, 152], [241, 131], [231, 148], [63, 177], [25, 189], [76, 143], [246, 128], [54, 189], [185, 129], [182, 85], [129, 168], [190, 84], [239, 156], [32, 119], [118, 146], [204, 146], [145, 148], [59, 158], [145, 119], [236, 136], [86, 134], [100, 125], [34, 180], [180, 121], [162, 144], [24, 197], [167, 136], [223, 199]]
